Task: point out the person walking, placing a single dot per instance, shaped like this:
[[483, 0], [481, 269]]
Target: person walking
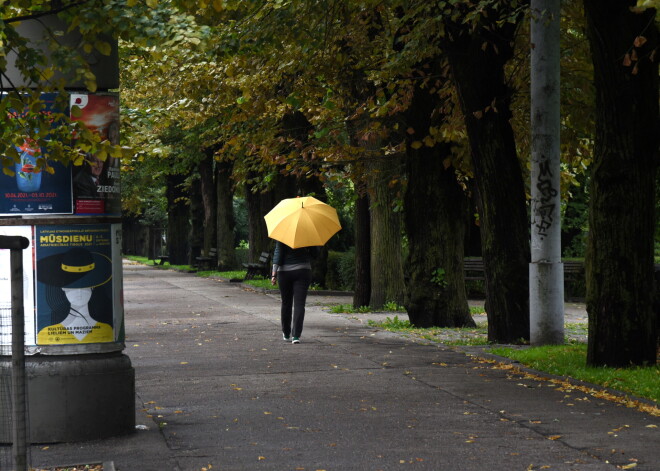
[[292, 270]]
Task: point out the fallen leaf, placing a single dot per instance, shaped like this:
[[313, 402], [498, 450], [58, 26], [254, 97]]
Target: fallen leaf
[[261, 458], [554, 437], [639, 41]]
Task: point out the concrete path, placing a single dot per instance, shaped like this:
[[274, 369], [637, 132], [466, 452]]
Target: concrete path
[[218, 389]]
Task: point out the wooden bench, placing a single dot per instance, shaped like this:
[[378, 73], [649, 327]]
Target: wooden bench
[[258, 268], [473, 268], [209, 261], [573, 269]]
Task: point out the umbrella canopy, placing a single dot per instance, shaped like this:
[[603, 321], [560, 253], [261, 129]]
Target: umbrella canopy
[[302, 222]]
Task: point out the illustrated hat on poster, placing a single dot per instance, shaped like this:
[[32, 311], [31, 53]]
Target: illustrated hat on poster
[[76, 268]]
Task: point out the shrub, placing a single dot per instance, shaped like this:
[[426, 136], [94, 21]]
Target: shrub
[[341, 270]]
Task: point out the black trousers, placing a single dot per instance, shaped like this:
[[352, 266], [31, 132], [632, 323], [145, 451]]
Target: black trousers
[[293, 285]]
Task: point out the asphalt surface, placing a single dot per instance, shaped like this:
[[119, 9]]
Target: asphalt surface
[[218, 389]]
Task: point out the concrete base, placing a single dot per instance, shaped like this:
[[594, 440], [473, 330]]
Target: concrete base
[[73, 398]]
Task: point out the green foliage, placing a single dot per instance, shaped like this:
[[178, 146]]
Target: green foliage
[[446, 335], [439, 277], [349, 309], [570, 360], [341, 270]]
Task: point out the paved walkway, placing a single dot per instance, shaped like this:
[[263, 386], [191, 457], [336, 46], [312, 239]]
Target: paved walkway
[[218, 389]]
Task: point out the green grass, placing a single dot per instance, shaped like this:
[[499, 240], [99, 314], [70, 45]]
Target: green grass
[[570, 360], [561, 360], [152, 263], [446, 335]]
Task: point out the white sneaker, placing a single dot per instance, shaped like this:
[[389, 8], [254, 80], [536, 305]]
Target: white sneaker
[[295, 340], [285, 338]]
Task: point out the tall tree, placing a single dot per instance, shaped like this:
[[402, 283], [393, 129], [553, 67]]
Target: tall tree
[[435, 210], [387, 283], [478, 50], [620, 286], [225, 216], [178, 220], [208, 190], [362, 293]]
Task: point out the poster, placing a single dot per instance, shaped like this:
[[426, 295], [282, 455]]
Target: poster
[[5, 290], [75, 284], [96, 187], [31, 191]]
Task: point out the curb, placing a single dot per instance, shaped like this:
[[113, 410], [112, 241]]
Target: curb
[[478, 352]]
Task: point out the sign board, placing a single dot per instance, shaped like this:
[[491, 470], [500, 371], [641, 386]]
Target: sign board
[[29, 191], [73, 293], [96, 187]]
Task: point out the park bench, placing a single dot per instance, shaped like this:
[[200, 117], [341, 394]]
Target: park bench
[[208, 261], [573, 270], [473, 269], [258, 268]]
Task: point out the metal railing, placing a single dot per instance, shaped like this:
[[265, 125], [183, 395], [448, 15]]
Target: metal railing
[[19, 410]]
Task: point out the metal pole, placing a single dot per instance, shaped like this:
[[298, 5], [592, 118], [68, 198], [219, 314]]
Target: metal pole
[[16, 245], [546, 273]]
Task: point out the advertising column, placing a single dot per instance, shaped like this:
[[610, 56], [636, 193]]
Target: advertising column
[[74, 316]]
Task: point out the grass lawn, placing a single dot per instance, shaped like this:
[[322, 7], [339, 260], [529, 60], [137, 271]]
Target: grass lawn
[[560, 360], [570, 360]]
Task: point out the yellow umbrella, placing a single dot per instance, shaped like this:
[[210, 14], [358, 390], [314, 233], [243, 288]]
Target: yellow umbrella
[[302, 222]]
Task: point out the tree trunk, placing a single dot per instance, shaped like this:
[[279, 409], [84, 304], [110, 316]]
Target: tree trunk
[[435, 217], [258, 205], [622, 329], [178, 221], [362, 292], [478, 73], [387, 283], [225, 216], [209, 199], [196, 212]]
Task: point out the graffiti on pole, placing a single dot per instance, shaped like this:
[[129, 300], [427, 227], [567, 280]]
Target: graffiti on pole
[[543, 207]]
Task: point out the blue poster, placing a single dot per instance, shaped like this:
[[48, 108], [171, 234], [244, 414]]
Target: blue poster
[[30, 190], [75, 284]]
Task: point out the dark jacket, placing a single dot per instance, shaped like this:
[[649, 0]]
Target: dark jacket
[[285, 255]]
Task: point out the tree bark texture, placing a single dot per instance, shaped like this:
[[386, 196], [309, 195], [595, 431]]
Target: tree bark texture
[[619, 262], [258, 205], [478, 73], [225, 216], [435, 221], [435, 218], [362, 291], [209, 199], [387, 283], [178, 221], [197, 229]]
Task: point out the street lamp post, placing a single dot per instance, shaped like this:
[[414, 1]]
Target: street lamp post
[[546, 274]]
